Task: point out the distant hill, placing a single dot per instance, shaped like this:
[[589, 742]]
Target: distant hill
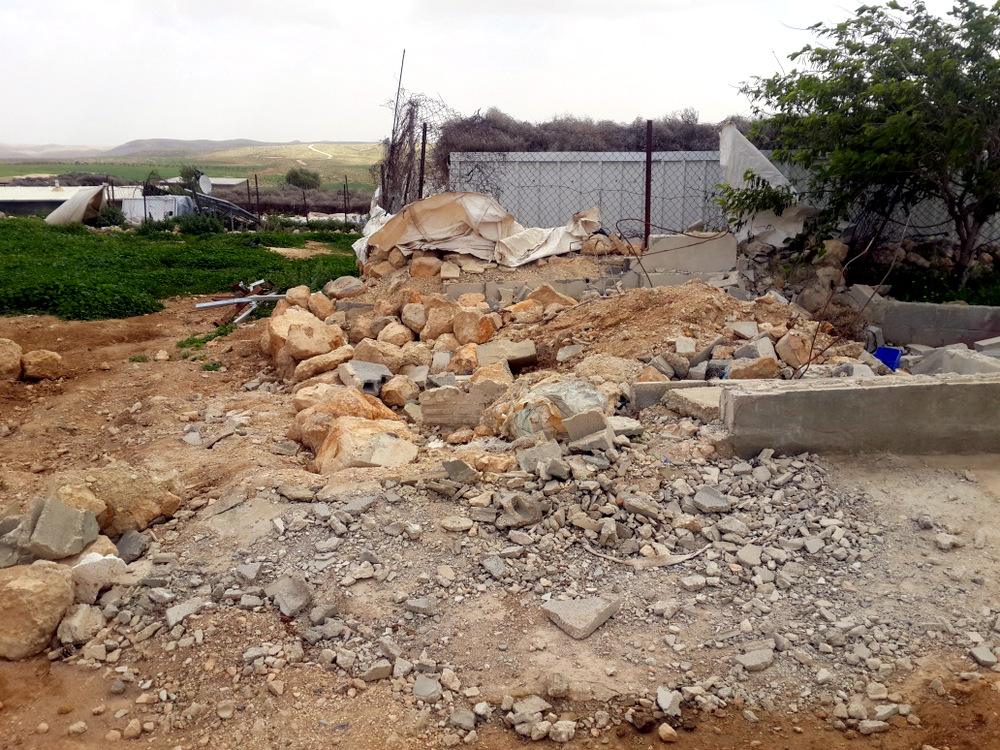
[[48, 151], [173, 146]]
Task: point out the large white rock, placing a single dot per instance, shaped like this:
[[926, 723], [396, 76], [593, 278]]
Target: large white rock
[[81, 623], [94, 573]]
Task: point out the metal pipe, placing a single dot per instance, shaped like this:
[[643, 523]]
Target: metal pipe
[[649, 179], [239, 301]]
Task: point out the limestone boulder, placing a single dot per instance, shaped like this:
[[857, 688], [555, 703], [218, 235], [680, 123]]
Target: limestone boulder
[[794, 348], [276, 331], [41, 364], [313, 339], [398, 391], [10, 360], [355, 442], [498, 372], [473, 327], [464, 360], [311, 425], [321, 306], [396, 358], [651, 375], [747, 369], [425, 268], [310, 368], [94, 573], [546, 295], [299, 296], [414, 316], [133, 496], [396, 333], [526, 311], [80, 623], [440, 320], [313, 394], [345, 287], [33, 600]]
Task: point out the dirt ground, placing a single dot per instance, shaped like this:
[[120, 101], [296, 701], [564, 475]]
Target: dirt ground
[[110, 408]]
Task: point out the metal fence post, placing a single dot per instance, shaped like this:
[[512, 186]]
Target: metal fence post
[[423, 154], [649, 179]]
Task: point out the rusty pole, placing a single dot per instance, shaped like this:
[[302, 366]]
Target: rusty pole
[[423, 154], [649, 179]]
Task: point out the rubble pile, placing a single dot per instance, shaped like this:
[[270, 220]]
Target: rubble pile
[[734, 577]]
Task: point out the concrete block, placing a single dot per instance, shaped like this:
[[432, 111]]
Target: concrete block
[[704, 253], [989, 347], [452, 407], [177, 614], [529, 458], [366, 377], [584, 424], [456, 290], [913, 415], [744, 329], [518, 354]]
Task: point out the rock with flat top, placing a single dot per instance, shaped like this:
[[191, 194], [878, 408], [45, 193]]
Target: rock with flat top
[[578, 618]]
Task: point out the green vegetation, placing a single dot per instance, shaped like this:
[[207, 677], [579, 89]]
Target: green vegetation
[[198, 342], [913, 284], [742, 204], [270, 163], [301, 177], [138, 358], [75, 273], [109, 216], [211, 366], [893, 107]]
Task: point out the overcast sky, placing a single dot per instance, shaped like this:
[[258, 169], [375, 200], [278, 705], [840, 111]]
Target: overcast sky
[[108, 72]]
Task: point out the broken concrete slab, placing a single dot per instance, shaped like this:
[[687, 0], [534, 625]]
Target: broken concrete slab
[[578, 618], [959, 361], [989, 347], [710, 500], [179, 612], [529, 458], [691, 253], [925, 322], [585, 423], [519, 354], [698, 403], [912, 415], [290, 593]]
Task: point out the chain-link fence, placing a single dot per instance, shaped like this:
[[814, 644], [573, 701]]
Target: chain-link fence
[[546, 189]]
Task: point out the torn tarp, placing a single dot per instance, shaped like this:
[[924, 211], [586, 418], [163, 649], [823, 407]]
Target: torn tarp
[[85, 204], [474, 224], [737, 155], [454, 222]]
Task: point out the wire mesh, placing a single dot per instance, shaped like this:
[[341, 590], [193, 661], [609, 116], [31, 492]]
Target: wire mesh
[[546, 189]]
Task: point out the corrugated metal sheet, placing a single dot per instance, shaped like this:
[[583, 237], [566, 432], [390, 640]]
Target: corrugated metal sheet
[[13, 193]]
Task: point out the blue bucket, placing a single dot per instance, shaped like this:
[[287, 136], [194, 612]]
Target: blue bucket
[[889, 356]]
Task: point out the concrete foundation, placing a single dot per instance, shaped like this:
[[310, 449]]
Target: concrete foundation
[[927, 323], [913, 415]]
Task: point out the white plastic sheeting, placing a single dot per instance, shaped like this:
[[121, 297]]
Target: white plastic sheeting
[[737, 155], [85, 204], [473, 224]]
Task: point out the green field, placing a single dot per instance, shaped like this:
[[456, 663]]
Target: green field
[[269, 163], [78, 274]]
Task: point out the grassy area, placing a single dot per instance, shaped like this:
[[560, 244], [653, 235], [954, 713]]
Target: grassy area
[[269, 163], [77, 274], [911, 284]]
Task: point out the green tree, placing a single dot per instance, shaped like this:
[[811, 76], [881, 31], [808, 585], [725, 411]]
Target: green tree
[[189, 177], [895, 106], [303, 178]]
